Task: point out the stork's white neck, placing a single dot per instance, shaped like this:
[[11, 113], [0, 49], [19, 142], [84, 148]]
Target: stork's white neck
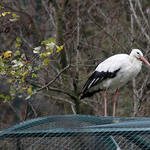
[[136, 63]]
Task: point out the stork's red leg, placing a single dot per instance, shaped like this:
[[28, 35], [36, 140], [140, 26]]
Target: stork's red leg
[[115, 99], [105, 101]]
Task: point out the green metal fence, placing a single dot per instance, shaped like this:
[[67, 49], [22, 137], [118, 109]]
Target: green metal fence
[[78, 132]]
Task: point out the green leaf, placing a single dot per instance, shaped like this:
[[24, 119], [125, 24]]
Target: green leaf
[[17, 74], [41, 55], [29, 91], [2, 96], [22, 80], [18, 39], [7, 97], [52, 40], [44, 42], [33, 75], [29, 67], [46, 61], [36, 68], [17, 53], [1, 7], [14, 15], [17, 45], [13, 90]]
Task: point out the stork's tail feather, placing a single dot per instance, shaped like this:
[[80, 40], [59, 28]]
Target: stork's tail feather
[[89, 94], [86, 95]]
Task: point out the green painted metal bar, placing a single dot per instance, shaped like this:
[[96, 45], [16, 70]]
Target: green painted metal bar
[[60, 132], [138, 141], [82, 131]]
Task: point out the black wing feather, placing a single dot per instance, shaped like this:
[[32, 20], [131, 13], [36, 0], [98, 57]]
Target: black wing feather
[[95, 79]]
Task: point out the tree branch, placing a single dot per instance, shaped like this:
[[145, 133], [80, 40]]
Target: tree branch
[[138, 22], [65, 4], [22, 10], [55, 4], [53, 79], [104, 29]]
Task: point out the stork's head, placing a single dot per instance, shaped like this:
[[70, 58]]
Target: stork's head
[[136, 53]]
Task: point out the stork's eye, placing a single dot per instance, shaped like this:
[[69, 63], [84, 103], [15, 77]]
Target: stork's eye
[[138, 53]]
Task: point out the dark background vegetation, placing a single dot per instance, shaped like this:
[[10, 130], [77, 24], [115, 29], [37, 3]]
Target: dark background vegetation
[[91, 31]]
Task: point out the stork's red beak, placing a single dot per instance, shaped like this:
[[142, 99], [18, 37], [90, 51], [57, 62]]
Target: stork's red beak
[[144, 60]]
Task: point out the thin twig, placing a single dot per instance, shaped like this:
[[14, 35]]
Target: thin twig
[[14, 110], [50, 15], [53, 79], [138, 22], [103, 28]]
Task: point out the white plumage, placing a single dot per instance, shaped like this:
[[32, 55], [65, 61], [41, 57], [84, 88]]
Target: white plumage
[[113, 73]]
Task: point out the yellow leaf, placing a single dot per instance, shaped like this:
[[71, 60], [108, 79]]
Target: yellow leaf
[[24, 88], [7, 54], [5, 13], [30, 91], [44, 54], [24, 73], [8, 12], [59, 49], [14, 15], [20, 66], [43, 63], [13, 72]]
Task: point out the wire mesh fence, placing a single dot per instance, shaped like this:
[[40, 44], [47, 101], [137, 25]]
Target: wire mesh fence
[[78, 132]]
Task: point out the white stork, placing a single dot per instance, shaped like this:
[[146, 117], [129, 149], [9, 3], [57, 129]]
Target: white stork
[[113, 73]]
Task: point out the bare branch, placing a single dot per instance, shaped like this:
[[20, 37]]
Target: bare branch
[[54, 78], [72, 107], [49, 13], [138, 22], [139, 4], [104, 29]]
